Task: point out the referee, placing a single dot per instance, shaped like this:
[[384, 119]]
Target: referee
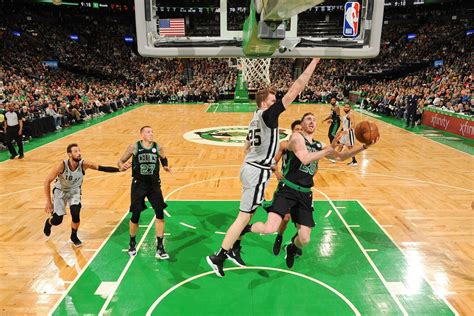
[[13, 127]]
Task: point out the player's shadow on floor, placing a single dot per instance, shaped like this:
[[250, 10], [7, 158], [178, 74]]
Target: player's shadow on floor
[[219, 221], [263, 277], [185, 254], [212, 220]]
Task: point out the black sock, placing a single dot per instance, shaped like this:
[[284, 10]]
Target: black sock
[[222, 253], [236, 244], [73, 232], [159, 241], [247, 229], [132, 240], [279, 236], [354, 159], [293, 238]]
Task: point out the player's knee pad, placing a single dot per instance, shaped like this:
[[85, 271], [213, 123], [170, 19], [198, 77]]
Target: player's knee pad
[[135, 217], [56, 219], [75, 211], [159, 214]]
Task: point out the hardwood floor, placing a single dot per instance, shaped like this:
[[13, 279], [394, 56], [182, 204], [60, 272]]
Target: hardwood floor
[[420, 191]]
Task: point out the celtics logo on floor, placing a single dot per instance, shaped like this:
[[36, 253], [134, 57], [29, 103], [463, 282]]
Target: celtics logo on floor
[[224, 135]]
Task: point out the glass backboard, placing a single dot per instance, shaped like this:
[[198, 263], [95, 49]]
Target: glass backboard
[[220, 28]]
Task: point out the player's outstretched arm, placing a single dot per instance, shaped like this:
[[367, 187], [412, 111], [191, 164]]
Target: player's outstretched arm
[[57, 170], [92, 165], [297, 145], [164, 160], [300, 83], [123, 163]]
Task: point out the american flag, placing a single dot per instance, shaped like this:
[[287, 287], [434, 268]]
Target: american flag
[[172, 27]]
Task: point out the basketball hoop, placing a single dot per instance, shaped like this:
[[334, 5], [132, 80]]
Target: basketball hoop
[[255, 71]]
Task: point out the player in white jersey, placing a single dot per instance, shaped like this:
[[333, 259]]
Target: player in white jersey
[[348, 137], [261, 147], [69, 175]]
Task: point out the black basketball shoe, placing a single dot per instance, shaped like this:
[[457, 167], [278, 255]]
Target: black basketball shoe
[[277, 245], [217, 264], [234, 256]]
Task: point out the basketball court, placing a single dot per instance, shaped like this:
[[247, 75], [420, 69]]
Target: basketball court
[[391, 236], [352, 267]]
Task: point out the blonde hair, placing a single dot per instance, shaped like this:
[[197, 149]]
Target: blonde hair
[[262, 95]]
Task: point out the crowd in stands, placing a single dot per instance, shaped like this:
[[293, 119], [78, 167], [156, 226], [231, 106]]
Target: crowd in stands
[[99, 73]]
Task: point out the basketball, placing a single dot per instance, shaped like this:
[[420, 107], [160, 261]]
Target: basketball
[[366, 132]]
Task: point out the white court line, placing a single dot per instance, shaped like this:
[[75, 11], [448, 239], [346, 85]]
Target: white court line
[[167, 234], [377, 271], [220, 233], [85, 267], [338, 207], [83, 129], [420, 135], [353, 226], [397, 177], [166, 213], [142, 226], [371, 250], [122, 174], [406, 257], [197, 182], [127, 266], [328, 213], [193, 183], [184, 224], [330, 288], [232, 166]]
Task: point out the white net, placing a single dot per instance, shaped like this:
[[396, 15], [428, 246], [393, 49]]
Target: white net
[[256, 71]]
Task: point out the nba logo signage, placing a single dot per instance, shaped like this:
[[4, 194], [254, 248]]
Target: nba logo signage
[[351, 19]]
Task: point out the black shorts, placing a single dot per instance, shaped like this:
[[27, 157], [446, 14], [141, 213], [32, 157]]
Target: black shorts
[[152, 191], [290, 201]]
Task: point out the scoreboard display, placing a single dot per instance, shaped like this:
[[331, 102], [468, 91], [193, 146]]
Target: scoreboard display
[[111, 5]]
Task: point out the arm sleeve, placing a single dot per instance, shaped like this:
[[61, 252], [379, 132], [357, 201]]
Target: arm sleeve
[[164, 162], [271, 115], [108, 169]]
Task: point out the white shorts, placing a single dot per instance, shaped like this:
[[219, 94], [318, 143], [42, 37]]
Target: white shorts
[[348, 139], [62, 198], [254, 182]]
